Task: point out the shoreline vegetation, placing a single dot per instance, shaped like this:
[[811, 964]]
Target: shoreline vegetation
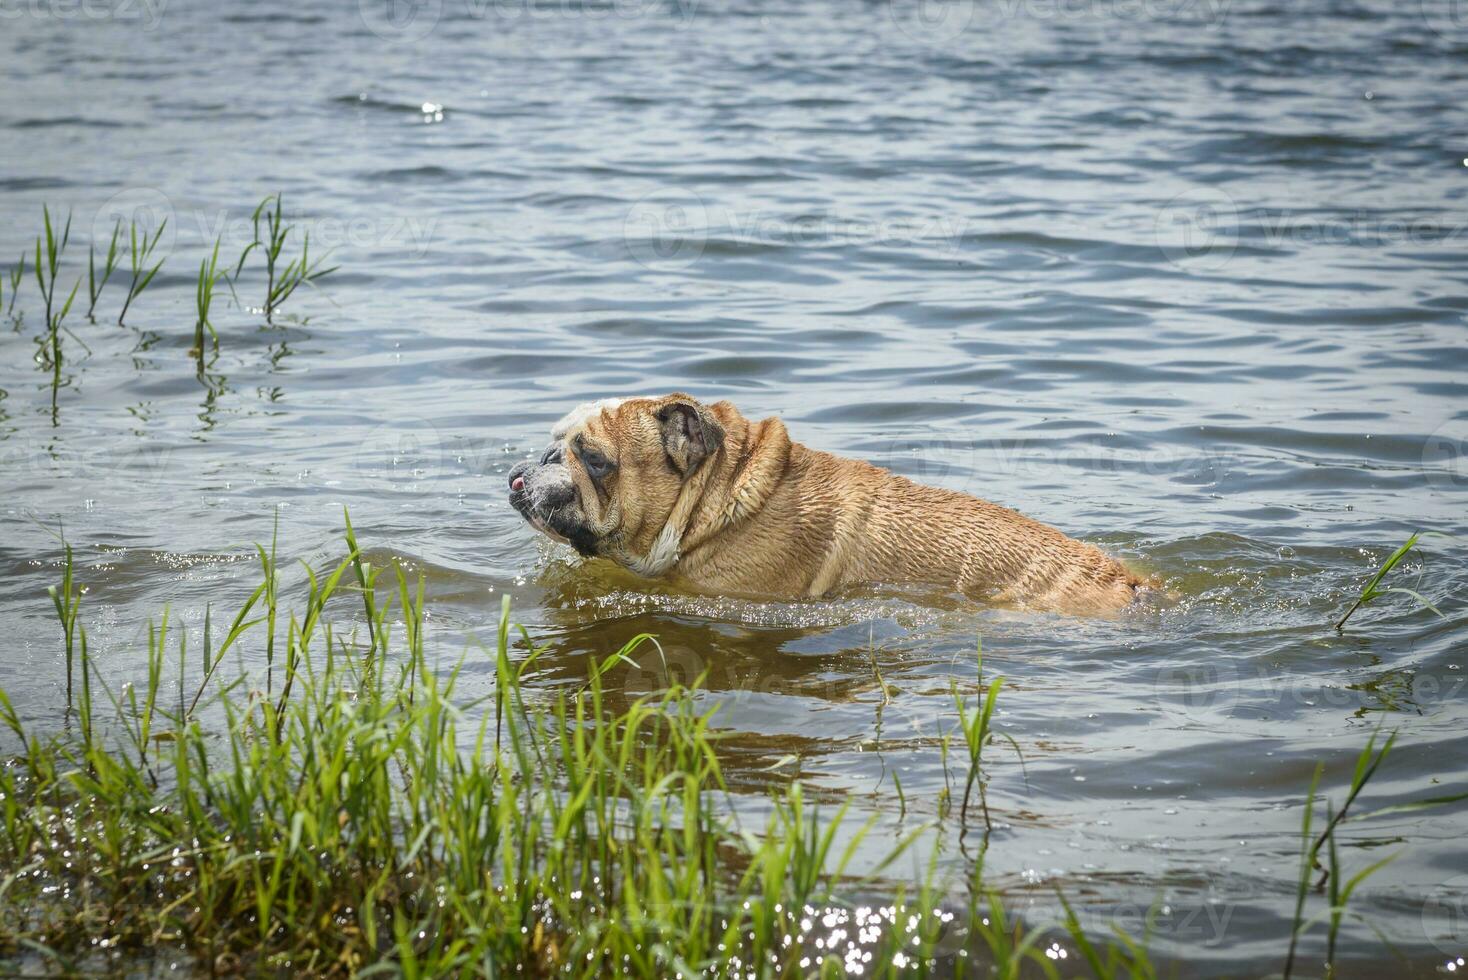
[[347, 812], [284, 274]]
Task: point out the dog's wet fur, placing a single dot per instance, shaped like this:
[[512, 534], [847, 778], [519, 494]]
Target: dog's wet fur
[[669, 487]]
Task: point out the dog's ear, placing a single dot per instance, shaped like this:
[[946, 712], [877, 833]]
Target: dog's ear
[[691, 434]]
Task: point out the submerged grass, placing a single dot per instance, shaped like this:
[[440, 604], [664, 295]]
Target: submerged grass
[[16, 274], [281, 281], [978, 732], [95, 283], [67, 600], [140, 252], [1371, 592], [49, 248], [284, 276], [209, 276], [1332, 881]]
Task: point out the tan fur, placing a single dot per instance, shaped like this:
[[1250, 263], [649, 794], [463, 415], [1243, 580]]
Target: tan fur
[[762, 515]]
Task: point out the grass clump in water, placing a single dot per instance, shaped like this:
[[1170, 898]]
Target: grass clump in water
[[48, 268], [280, 281], [140, 253], [1332, 883], [364, 812], [1371, 592], [209, 276], [16, 274], [49, 249], [96, 284], [978, 732]]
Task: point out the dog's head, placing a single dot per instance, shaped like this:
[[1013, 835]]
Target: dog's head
[[610, 478]]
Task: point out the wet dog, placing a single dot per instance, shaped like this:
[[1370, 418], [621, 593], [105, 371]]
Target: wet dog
[[668, 486]]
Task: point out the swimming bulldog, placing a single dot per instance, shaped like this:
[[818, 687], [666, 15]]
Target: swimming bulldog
[[669, 487]]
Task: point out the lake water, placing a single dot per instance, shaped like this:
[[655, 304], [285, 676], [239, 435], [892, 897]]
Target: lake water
[[1187, 279]]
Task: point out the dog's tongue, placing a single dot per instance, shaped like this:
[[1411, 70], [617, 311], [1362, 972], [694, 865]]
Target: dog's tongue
[[518, 483]]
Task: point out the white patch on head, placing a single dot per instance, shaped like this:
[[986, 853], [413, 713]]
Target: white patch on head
[[586, 410], [664, 553]]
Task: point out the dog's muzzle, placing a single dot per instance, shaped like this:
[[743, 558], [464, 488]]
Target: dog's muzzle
[[543, 494]]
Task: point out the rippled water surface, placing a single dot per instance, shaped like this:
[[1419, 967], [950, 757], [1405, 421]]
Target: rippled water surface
[[1186, 280]]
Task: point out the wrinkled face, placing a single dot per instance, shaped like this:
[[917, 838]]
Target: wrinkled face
[[609, 480]]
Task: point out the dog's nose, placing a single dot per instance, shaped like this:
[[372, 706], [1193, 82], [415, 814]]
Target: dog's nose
[[552, 455]]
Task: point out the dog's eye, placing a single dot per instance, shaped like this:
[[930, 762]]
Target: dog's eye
[[597, 465]]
